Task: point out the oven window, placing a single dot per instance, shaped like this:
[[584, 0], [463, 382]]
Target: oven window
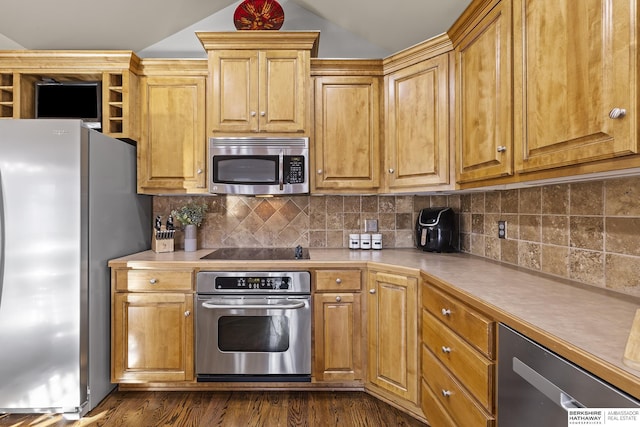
[[253, 333], [246, 169]]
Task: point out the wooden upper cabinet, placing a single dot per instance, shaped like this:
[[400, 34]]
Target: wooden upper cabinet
[[260, 81], [116, 71], [258, 91], [574, 64], [347, 133], [172, 146], [418, 126], [484, 98]]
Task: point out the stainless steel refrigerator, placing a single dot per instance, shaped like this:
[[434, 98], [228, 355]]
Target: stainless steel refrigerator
[[68, 204]]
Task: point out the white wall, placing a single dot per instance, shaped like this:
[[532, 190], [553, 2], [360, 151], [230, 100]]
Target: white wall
[[7, 44], [335, 42]]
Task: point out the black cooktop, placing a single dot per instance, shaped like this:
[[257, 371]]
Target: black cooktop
[[259, 254]]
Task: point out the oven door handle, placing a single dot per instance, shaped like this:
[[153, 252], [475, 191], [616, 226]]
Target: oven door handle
[[295, 304]]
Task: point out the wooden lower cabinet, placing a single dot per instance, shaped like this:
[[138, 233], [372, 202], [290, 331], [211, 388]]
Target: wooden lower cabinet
[[337, 326], [152, 331], [458, 361], [392, 321]]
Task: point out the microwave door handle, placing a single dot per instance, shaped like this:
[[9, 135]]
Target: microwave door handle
[[281, 169]]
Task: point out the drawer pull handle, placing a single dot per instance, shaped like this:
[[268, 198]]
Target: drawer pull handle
[[617, 113], [446, 349], [338, 280], [153, 281], [187, 313], [446, 393], [372, 291], [338, 299], [446, 312]]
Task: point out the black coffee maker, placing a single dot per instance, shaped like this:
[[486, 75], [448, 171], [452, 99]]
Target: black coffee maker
[[435, 229]]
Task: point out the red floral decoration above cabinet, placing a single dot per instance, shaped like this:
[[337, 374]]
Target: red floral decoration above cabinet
[[258, 15]]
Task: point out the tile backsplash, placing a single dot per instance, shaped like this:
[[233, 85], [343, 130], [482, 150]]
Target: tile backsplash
[[588, 232]]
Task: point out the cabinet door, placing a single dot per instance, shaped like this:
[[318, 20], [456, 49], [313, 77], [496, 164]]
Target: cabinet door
[[338, 352], [347, 134], [172, 148], [418, 127], [393, 334], [283, 90], [483, 97], [233, 100], [152, 337], [574, 62]]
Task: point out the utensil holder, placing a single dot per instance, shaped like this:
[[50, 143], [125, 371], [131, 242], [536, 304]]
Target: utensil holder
[[163, 241]]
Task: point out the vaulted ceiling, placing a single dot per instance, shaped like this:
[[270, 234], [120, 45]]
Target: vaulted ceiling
[[135, 24]]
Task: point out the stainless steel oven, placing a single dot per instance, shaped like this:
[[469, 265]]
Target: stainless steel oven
[[256, 166], [253, 326]]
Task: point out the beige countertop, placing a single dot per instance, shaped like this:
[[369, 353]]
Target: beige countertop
[[587, 325]]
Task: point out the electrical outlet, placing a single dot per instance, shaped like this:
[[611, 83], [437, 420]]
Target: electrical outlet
[[502, 229], [371, 225]]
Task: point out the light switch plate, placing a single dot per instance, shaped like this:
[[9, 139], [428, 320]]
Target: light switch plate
[[371, 225]]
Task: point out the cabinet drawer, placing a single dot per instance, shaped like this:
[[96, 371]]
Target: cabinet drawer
[[451, 395], [475, 328], [157, 280], [338, 280], [473, 369], [435, 413]]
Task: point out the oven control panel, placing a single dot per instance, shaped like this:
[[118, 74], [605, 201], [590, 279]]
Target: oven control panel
[[252, 283]]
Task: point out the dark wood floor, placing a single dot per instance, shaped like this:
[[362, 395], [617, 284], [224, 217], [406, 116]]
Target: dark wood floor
[[238, 408]]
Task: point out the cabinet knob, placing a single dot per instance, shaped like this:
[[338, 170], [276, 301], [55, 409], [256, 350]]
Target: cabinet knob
[[446, 349], [153, 281], [319, 172], [501, 148], [372, 291], [338, 280], [253, 114], [262, 113], [391, 170], [617, 113], [338, 299], [199, 171], [446, 393], [446, 312], [187, 313]]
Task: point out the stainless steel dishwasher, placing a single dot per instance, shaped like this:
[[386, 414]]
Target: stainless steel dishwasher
[[537, 388]]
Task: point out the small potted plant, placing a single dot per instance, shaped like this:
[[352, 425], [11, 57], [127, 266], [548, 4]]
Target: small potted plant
[[190, 216]]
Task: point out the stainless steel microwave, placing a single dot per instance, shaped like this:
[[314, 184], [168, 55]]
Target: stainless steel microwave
[[258, 166]]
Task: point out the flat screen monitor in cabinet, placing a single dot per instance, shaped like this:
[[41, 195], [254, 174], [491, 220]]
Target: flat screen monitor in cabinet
[[70, 100]]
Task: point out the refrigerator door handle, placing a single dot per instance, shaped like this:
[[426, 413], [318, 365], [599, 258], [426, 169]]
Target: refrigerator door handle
[[2, 238]]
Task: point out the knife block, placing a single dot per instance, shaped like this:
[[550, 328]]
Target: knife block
[[163, 241], [632, 351]]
